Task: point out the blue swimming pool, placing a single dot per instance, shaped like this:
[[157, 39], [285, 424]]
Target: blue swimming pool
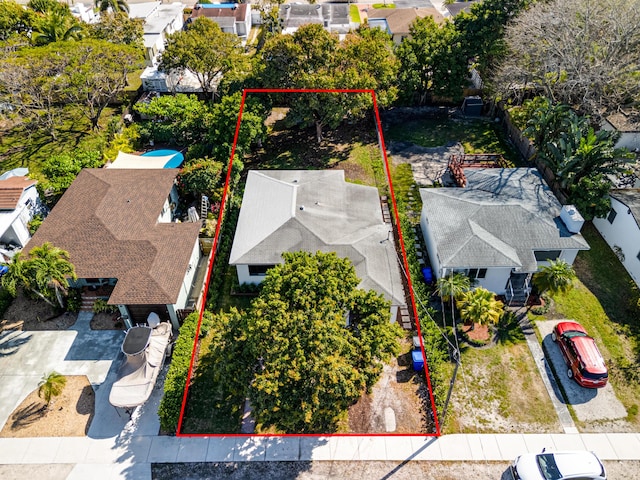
[[174, 162]]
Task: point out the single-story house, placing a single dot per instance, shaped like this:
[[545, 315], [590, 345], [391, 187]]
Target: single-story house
[[315, 210], [397, 21], [19, 202], [627, 123], [160, 20], [118, 227], [231, 17], [333, 17], [453, 9], [499, 229], [621, 229]]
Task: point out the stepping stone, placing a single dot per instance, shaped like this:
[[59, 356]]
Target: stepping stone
[[389, 419]]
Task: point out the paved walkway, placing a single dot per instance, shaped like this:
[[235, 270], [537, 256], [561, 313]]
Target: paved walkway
[[129, 456]]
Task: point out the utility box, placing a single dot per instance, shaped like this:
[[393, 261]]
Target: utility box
[[472, 106]]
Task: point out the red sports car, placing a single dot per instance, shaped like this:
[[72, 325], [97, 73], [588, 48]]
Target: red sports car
[[581, 353]]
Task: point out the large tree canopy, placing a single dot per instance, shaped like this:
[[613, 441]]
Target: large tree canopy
[[204, 50], [580, 52], [433, 62], [313, 58], [311, 366]]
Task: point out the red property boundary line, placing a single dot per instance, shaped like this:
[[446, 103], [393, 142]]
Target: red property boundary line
[[213, 255]]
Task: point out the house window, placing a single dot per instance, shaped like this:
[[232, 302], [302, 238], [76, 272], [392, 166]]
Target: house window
[[546, 255], [477, 273], [259, 270], [638, 257], [612, 215]]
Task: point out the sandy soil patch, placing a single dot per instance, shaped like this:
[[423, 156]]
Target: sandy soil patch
[[395, 400], [68, 415], [27, 314], [106, 321]]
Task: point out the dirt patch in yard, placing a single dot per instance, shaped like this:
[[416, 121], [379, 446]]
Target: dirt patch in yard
[[68, 415], [394, 404], [25, 313], [107, 321]]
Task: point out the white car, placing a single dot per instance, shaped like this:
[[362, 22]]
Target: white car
[[558, 466]]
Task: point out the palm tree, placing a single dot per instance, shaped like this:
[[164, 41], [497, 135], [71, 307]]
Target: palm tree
[[51, 386], [556, 277], [450, 288], [52, 270], [19, 274], [114, 5], [56, 26], [480, 306]]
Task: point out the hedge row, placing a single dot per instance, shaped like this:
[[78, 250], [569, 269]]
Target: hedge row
[[176, 380]]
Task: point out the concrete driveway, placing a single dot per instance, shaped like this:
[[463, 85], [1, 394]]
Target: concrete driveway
[[26, 356], [589, 404]]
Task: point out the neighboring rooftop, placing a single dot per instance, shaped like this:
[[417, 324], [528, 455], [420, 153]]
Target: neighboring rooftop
[[237, 11], [457, 7], [631, 198], [399, 20], [625, 120], [502, 216], [317, 210], [11, 189], [108, 222]]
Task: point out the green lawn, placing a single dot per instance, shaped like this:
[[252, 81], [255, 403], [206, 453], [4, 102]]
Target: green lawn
[[498, 389], [604, 300], [354, 13], [476, 135]]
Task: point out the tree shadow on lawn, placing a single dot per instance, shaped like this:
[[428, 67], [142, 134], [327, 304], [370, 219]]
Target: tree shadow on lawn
[[298, 148]]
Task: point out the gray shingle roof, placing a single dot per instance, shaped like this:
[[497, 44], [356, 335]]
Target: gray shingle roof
[[497, 221], [316, 210], [631, 198]]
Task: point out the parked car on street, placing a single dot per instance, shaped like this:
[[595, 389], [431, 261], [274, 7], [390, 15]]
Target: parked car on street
[[580, 352], [558, 466]]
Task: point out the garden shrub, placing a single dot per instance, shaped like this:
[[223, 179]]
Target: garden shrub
[[5, 300], [175, 382], [101, 306], [74, 300]]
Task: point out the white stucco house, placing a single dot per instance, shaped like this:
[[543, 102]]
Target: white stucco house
[[621, 229], [499, 229], [160, 20], [19, 202], [315, 210], [628, 125]]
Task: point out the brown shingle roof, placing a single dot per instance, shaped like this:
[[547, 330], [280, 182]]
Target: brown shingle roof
[[11, 190], [401, 19], [108, 222]]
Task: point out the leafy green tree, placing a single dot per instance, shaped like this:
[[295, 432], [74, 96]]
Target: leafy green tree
[[46, 6], [590, 195], [481, 31], [222, 127], [95, 74], [480, 306], [313, 58], [51, 386], [201, 177], [18, 275], [205, 51], [183, 117], [113, 6], [556, 277], [61, 170], [310, 366], [117, 27], [433, 64], [14, 19]]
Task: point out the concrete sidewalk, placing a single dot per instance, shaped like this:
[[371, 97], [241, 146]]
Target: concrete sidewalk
[[130, 456]]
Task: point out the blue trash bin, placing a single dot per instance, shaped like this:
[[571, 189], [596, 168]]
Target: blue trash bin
[[427, 274], [418, 361]]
